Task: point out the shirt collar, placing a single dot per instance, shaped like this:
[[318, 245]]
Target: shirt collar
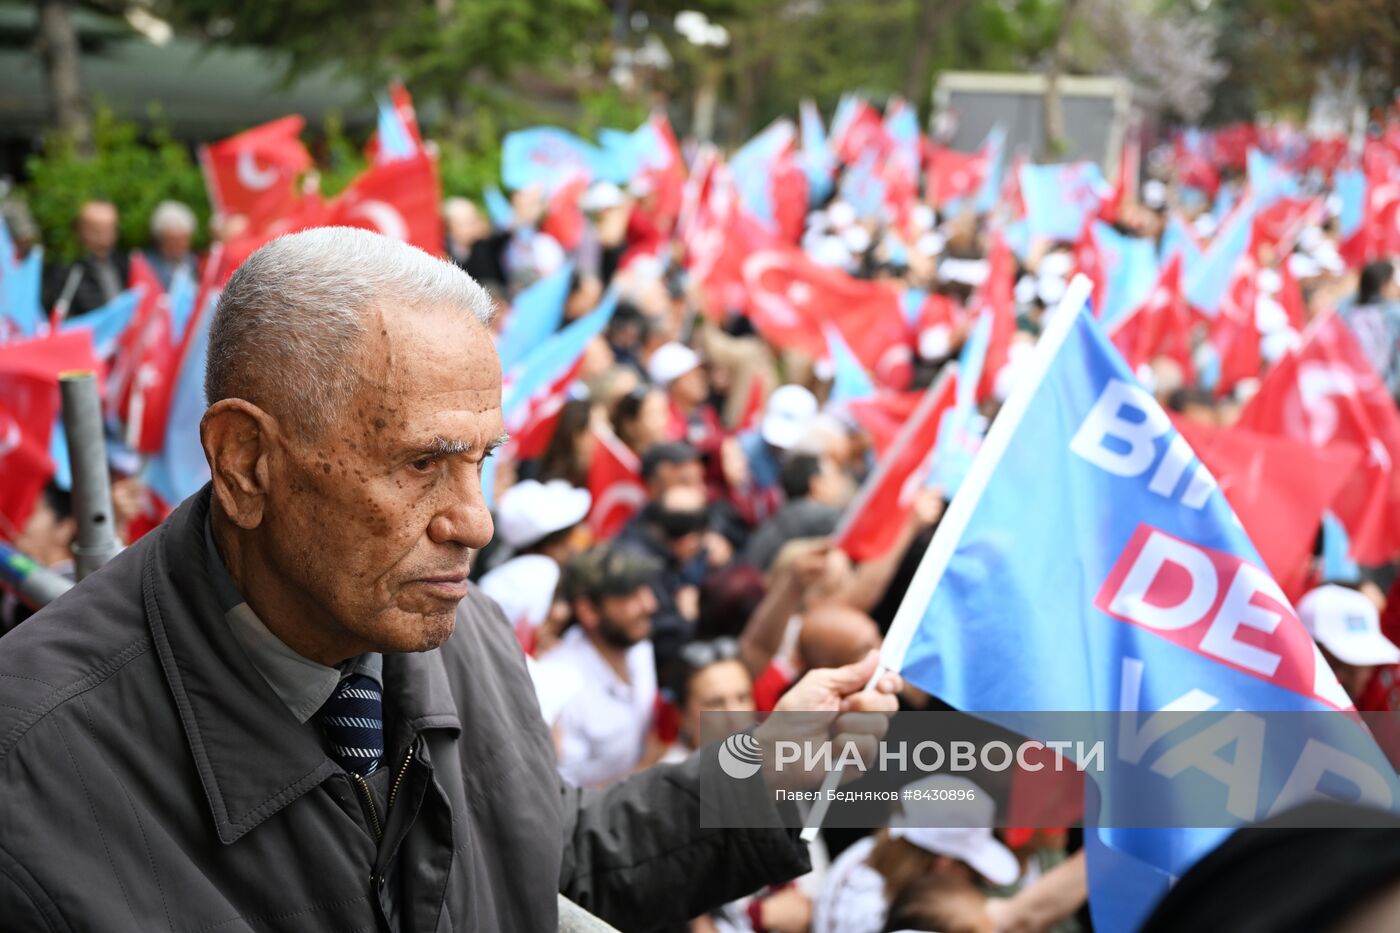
[[303, 685]]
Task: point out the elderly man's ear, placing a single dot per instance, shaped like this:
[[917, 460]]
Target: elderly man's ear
[[237, 437]]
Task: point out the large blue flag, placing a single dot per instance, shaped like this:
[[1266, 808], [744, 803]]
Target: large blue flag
[[1058, 197], [1090, 562], [534, 316], [546, 157]]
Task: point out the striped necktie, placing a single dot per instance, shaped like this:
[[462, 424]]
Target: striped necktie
[[353, 723]]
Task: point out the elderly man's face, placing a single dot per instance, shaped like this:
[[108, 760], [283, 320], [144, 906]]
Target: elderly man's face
[[377, 520], [97, 227]]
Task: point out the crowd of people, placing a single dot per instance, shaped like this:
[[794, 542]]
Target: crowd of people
[[723, 578]]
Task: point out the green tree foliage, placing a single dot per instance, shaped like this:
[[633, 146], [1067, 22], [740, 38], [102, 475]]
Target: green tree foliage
[[135, 173]]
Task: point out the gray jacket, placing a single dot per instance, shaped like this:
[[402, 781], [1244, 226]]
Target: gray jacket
[[151, 780]]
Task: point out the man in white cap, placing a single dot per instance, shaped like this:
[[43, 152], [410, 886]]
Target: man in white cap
[[537, 521], [856, 894], [680, 371], [755, 482], [1347, 627]]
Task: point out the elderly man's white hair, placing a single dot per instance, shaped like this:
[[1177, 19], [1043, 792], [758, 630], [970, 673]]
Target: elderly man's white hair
[[172, 217], [293, 314]]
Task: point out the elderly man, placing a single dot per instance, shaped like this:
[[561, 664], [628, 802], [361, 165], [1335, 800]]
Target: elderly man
[[101, 271], [172, 231], [287, 707]]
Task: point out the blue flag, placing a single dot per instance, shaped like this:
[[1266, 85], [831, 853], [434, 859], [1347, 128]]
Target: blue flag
[[395, 141], [990, 192], [108, 322], [850, 381], [1350, 187], [1059, 196], [498, 208], [20, 309], [1269, 180], [178, 471], [863, 188], [960, 432], [1090, 562], [534, 316], [818, 162], [546, 157], [1131, 266], [1207, 283], [752, 168], [551, 360]]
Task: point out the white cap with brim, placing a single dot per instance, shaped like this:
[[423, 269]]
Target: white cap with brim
[[789, 412], [671, 361], [947, 799], [1346, 623], [531, 510]]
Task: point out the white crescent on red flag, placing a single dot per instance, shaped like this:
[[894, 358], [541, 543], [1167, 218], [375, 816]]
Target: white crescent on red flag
[[254, 173]]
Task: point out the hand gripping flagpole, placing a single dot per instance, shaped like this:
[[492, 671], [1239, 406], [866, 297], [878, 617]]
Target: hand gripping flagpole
[[902, 630]]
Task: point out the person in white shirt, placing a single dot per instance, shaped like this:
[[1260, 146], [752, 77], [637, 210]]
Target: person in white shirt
[[602, 676]]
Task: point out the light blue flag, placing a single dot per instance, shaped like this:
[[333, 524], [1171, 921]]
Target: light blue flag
[[1131, 264], [1177, 238], [752, 168], [551, 361], [960, 432], [179, 470], [107, 323], [1208, 282], [1224, 203], [395, 141], [990, 192], [534, 316], [911, 303], [184, 290], [1350, 186], [20, 281], [863, 188], [850, 382], [1058, 197], [1079, 568], [545, 157], [498, 208], [1018, 238], [1337, 566], [1269, 180], [818, 161]]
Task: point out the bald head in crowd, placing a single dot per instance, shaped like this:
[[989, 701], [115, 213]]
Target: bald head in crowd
[[834, 635]]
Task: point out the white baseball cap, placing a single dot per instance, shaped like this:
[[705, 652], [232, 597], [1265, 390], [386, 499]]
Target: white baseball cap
[[970, 840], [600, 196], [531, 510], [1347, 624], [789, 412], [670, 361]]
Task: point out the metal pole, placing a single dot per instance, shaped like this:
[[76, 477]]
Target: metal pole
[[32, 583], [87, 457]]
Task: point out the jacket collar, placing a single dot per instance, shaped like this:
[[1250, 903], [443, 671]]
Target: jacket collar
[[252, 755]]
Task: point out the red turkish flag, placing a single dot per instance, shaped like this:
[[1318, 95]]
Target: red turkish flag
[[255, 172], [563, 219], [615, 482], [873, 522], [398, 199], [1236, 329], [791, 300], [144, 368], [1160, 326], [883, 416], [1324, 393], [997, 300], [29, 405], [953, 175], [789, 199], [1278, 487], [1089, 261], [864, 130]]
